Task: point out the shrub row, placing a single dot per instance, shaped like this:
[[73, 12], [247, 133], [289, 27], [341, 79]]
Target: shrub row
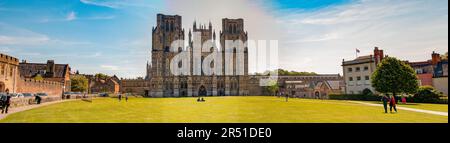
[[359, 97]]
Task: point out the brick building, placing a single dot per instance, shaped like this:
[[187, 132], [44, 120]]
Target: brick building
[[49, 71], [433, 72]]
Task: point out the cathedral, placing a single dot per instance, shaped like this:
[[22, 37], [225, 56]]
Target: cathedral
[[163, 83]]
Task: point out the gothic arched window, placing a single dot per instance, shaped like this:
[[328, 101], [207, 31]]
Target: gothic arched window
[[167, 49], [167, 27]]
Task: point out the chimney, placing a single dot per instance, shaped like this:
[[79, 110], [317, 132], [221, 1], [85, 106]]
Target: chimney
[[435, 58], [379, 55], [50, 68]]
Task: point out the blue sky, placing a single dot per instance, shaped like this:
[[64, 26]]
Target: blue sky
[[114, 36]]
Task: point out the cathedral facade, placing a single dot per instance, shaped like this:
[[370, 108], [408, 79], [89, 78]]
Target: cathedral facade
[[164, 83]]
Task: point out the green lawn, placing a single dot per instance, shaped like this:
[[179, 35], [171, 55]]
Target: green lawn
[[216, 109]]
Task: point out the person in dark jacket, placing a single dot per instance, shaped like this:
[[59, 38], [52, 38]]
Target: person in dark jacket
[[393, 104], [6, 103], [385, 100]]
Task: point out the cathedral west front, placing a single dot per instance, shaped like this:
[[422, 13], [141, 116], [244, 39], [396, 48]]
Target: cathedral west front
[[230, 66]]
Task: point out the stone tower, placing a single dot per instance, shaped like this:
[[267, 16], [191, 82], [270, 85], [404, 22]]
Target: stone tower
[[233, 29], [167, 30]]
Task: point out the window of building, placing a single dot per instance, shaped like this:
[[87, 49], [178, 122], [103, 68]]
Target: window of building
[[350, 69], [366, 68], [358, 78], [358, 69], [2, 69], [11, 69], [350, 78], [167, 49], [367, 78]]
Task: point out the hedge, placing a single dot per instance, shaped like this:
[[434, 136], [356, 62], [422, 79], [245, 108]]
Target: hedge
[[359, 97]]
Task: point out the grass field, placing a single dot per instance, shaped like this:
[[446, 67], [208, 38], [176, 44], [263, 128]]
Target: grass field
[[216, 110]]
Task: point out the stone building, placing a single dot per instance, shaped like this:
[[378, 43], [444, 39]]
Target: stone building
[[138, 86], [49, 71], [106, 85], [12, 80], [317, 86], [165, 84], [9, 74], [358, 72]]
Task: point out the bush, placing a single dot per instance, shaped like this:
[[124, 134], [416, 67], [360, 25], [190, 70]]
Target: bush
[[367, 92], [427, 94], [359, 97]]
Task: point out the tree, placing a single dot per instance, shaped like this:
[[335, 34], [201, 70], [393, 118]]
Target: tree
[[79, 83], [38, 77], [273, 88], [445, 56], [101, 76], [367, 92], [394, 76], [283, 72]]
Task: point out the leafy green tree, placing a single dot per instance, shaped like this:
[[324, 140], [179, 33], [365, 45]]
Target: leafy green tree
[[101, 76], [445, 56], [79, 83], [283, 72], [394, 76], [273, 88], [367, 92], [38, 77]]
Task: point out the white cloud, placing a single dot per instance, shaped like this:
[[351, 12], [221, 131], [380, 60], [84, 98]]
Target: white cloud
[[12, 35], [409, 30], [117, 4], [71, 16], [110, 67]]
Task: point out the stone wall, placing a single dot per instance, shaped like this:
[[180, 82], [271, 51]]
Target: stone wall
[[441, 84], [33, 86], [135, 86], [19, 102]]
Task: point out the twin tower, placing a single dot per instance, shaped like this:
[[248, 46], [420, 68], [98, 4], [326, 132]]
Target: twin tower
[[165, 84]]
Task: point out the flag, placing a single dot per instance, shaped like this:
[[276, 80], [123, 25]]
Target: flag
[[357, 51]]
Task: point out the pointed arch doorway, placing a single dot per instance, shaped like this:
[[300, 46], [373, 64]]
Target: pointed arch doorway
[[202, 91]]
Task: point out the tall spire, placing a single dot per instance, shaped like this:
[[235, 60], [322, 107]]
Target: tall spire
[[210, 25], [190, 35], [195, 24]]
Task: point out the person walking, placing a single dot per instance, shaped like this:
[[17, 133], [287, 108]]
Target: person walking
[[120, 97], [7, 103], [393, 104], [287, 97], [126, 97], [385, 100]]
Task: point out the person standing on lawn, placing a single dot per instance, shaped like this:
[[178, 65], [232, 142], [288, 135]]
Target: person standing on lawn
[[6, 103], [393, 104], [385, 100]]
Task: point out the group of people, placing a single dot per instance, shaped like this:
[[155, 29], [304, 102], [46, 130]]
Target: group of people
[[120, 97], [5, 102], [392, 101]]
